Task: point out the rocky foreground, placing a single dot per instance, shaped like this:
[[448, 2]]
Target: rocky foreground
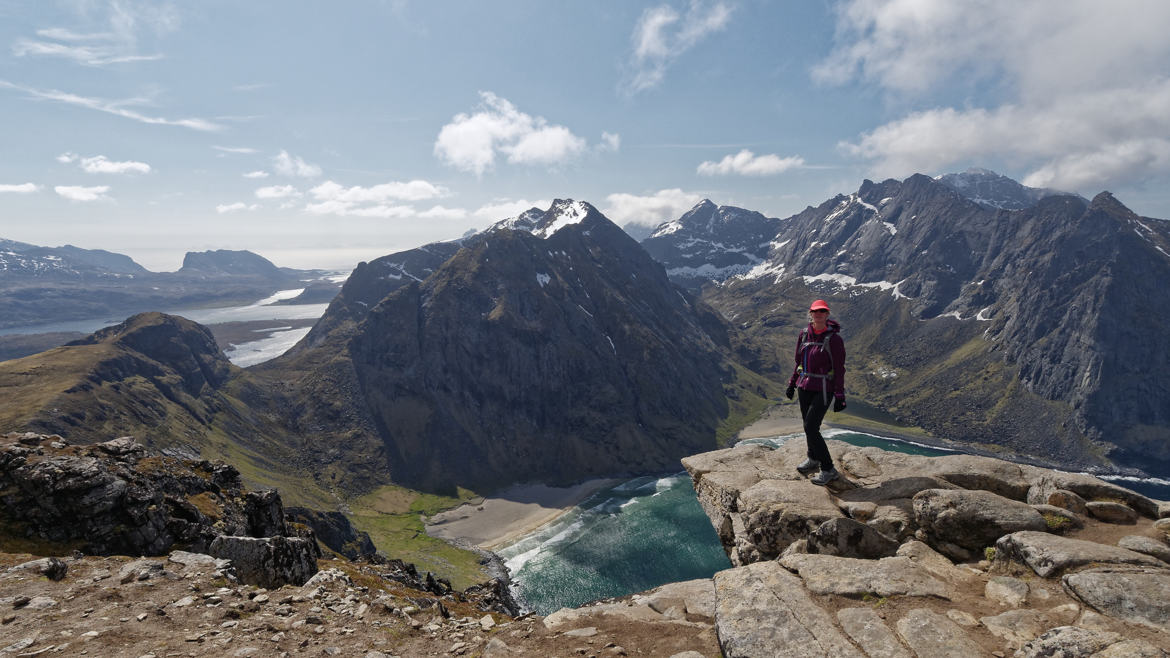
[[906, 556], [946, 556]]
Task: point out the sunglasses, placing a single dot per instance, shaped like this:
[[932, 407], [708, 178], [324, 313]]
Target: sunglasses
[[820, 310]]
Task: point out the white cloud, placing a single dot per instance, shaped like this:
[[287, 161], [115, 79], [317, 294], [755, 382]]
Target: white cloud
[[277, 192], [1083, 106], [649, 210], [80, 193], [415, 190], [746, 163], [116, 107], [471, 141], [610, 142], [256, 174], [99, 164], [22, 188], [235, 149], [662, 35], [505, 208], [289, 165], [383, 200], [67, 157], [235, 207]]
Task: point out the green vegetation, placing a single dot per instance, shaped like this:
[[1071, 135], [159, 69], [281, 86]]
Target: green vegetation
[[748, 397], [1056, 521], [874, 600], [393, 516], [989, 554]]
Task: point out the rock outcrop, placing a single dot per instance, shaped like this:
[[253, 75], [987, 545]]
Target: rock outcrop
[[116, 498], [930, 556]]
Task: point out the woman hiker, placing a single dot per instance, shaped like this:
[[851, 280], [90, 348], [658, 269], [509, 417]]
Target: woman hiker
[[820, 376]]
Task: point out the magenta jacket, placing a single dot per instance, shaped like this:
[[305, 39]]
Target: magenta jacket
[[817, 368]]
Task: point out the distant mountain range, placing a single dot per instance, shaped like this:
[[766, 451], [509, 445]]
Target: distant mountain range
[[42, 285], [553, 347]]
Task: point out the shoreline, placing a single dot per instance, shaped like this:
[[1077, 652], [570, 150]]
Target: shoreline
[[494, 521]]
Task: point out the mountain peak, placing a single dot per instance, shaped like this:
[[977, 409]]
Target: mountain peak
[[544, 223], [993, 190]]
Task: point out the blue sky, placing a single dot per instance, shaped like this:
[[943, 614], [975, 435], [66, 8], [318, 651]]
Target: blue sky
[[320, 134]]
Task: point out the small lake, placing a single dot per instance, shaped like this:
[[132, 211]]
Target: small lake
[[651, 531]]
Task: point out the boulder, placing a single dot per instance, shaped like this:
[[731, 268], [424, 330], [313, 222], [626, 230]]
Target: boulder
[[928, 633], [1068, 641], [1049, 555], [936, 563], [1111, 512], [1088, 488], [694, 597], [848, 538], [270, 561], [1007, 591], [981, 473], [762, 610], [970, 520], [1147, 545], [843, 576], [1068, 500], [49, 567], [1135, 596], [870, 633]]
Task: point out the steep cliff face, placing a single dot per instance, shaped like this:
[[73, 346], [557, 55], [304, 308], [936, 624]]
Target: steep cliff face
[[548, 355]]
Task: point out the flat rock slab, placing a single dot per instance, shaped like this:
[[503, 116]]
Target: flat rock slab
[[871, 633], [1049, 555], [1138, 596], [1077, 641], [891, 576], [931, 634], [695, 597], [762, 610], [1146, 545]]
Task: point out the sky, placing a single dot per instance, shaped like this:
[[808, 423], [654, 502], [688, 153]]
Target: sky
[[321, 134]]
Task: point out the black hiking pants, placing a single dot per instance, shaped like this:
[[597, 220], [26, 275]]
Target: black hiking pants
[[812, 409]]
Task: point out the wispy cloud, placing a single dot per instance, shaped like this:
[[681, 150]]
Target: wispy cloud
[[290, 165], [244, 150], [21, 188], [662, 35], [277, 192], [236, 207], [256, 174], [746, 163], [100, 164], [114, 42], [472, 141], [652, 209], [116, 107], [81, 193], [1079, 112]]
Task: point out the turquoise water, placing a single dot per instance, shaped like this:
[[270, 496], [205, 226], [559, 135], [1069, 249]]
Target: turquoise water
[[650, 531]]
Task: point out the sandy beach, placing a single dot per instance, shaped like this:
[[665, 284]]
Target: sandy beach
[[497, 520], [502, 518]]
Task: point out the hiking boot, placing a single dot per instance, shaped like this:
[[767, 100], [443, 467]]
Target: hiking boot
[[826, 476], [808, 466]]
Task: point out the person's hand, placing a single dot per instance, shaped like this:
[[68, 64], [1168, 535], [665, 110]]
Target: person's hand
[[790, 392], [838, 404]]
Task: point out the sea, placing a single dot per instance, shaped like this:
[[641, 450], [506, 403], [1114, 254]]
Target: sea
[[650, 531]]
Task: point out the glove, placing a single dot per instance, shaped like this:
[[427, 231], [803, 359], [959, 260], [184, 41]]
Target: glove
[[838, 404], [790, 392]]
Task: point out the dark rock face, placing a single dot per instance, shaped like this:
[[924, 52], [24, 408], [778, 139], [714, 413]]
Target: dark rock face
[[552, 351], [335, 531], [268, 561], [115, 498]]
